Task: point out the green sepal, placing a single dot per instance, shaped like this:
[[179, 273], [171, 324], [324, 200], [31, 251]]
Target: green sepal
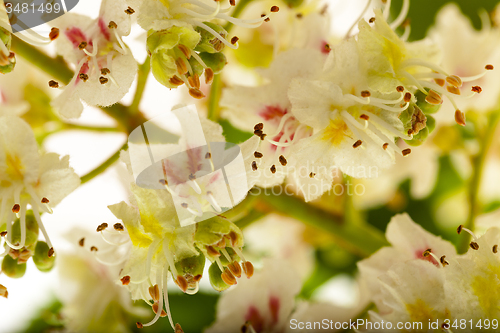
[[12, 269], [423, 105], [216, 61]]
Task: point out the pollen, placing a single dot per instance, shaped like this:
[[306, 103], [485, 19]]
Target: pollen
[[184, 50], [258, 127], [283, 160], [93, 249], [45, 201], [3, 233], [81, 242], [312, 174], [407, 97], [129, 11], [125, 280], [54, 33], [474, 245], [178, 328], [275, 9], [257, 154], [83, 77], [118, 226], [495, 248], [105, 71], [82, 45], [489, 67], [102, 226], [232, 2], [176, 81], [181, 66], [443, 261], [228, 277], [454, 80], [440, 82], [235, 269], [53, 84], [372, 19], [454, 90], [254, 166], [357, 144], [406, 151], [196, 93], [16, 208], [209, 76], [400, 88], [460, 118], [273, 168], [51, 252], [234, 40], [103, 80], [364, 116], [212, 251], [138, 324], [248, 269], [365, 93], [182, 283], [385, 145], [477, 89]]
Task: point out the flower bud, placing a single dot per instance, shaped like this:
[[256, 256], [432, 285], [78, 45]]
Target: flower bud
[[31, 230], [191, 269], [208, 42], [216, 61], [426, 107], [216, 280], [12, 269], [41, 258]]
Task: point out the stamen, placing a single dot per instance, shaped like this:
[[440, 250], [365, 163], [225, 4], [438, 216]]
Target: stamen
[[312, 174], [175, 80], [248, 269], [357, 144], [454, 80], [196, 93], [228, 277], [254, 166], [402, 15], [443, 261], [53, 84], [283, 160], [209, 76], [213, 202], [495, 248], [159, 280], [460, 118], [433, 98], [453, 90], [118, 227], [125, 280], [81, 242], [406, 151], [273, 169], [367, 6], [54, 33], [129, 11], [258, 154], [428, 253], [101, 227], [462, 228], [476, 89], [235, 269]]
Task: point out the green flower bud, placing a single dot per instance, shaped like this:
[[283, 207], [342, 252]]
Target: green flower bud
[[31, 230], [216, 61], [426, 107], [41, 258], [217, 233], [215, 275], [208, 42], [12, 269], [8, 62]]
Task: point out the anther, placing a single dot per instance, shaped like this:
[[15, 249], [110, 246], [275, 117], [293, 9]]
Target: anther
[[118, 226], [197, 278], [275, 9], [385, 145], [16, 208], [443, 261], [460, 118], [196, 93], [407, 97], [84, 77], [3, 233], [234, 40], [105, 71], [176, 81], [235, 269], [440, 82], [129, 11], [364, 117], [3, 291], [138, 324], [102, 226], [365, 93], [427, 253], [454, 80], [233, 237], [194, 81], [181, 66], [299, 15], [258, 154], [489, 67], [93, 249], [266, 19], [184, 50], [178, 328], [163, 182], [125, 280], [283, 160], [476, 89], [54, 33], [406, 151], [433, 98], [45, 200], [312, 174], [273, 168], [228, 277], [357, 144], [81, 242], [182, 283], [51, 252], [154, 291], [53, 84], [254, 166], [103, 80], [258, 127], [372, 19], [454, 90], [248, 269], [112, 25], [232, 2], [459, 229], [212, 251], [445, 326], [209, 75], [184, 205], [400, 88], [495, 248], [474, 245], [222, 243], [82, 45]]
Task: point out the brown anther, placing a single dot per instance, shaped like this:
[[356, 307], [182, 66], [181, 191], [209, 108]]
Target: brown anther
[[273, 168], [82, 45], [184, 50], [51, 252], [181, 66], [433, 98], [184, 205], [139, 324], [476, 89], [194, 81], [371, 20], [258, 132], [129, 11], [454, 80], [84, 77], [54, 33], [14, 254], [53, 84], [197, 278], [283, 160], [234, 40], [103, 80], [94, 249], [248, 269], [44, 200], [418, 121], [495, 248], [176, 81], [460, 118], [259, 126], [400, 88], [118, 227], [232, 2], [154, 291], [453, 90], [385, 145], [105, 71], [254, 166], [3, 233], [440, 82], [474, 245], [196, 93], [182, 283], [222, 243], [209, 75], [112, 25], [191, 177], [228, 277], [16, 208], [427, 253], [125, 280], [299, 15], [233, 237], [81, 242], [24, 256], [155, 310], [163, 182], [489, 67], [235, 268], [312, 174], [178, 328], [406, 151], [407, 97], [208, 155], [212, 251], [445, 326], [327, 47], [459, 229], [364, 117], [3, 291], [443, 261], [258, 154], [357, 144], [365, 93], [102, 226]]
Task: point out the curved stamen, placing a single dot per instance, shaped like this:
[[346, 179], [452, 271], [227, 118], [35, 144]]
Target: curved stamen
[[213, 202], [159, 282], [379, 121], [228, 257], [358, 19], [282, 123], [122, 45], [387, 10], [198, 58], [402, 15], [213, 32], [34, 207], [167, 305], [406, 33]]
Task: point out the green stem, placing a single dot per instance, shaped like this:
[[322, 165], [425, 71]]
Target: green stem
[[214, 98], [89, 128], [142, 78], [360, 239], [478, 163], [104, 165]]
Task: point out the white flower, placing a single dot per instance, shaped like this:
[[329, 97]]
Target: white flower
[[104, 66], [28, 177]]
